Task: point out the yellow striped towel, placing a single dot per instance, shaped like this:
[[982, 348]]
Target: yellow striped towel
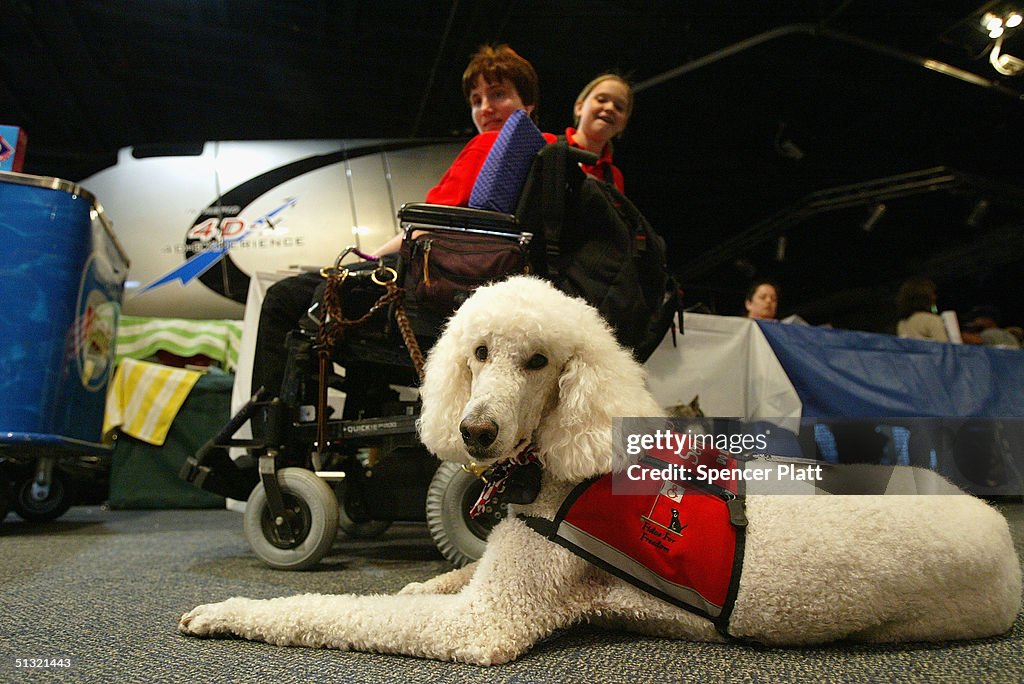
[[143, 399]]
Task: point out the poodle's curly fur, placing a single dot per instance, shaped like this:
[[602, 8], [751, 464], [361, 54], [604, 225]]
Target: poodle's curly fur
[[538, 366]]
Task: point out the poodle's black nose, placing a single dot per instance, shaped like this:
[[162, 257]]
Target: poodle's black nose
[[478, 433]]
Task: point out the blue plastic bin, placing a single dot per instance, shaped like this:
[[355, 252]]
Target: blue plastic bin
[[62, 275]]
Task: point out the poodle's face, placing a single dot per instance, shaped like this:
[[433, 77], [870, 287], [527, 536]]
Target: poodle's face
[[521, 363], [514, 385]]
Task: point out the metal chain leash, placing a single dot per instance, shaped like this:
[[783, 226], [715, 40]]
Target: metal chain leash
[[333, 321]]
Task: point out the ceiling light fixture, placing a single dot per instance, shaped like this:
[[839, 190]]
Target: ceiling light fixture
[[977, 213], [1006, 64], [780, 248], [999, 24], [996, 23], [877, 212], [992, 24], [785, 147]]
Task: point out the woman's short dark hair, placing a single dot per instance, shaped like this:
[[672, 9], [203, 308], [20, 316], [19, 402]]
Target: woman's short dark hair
[[752, 290], [497, 63], [916, 294]]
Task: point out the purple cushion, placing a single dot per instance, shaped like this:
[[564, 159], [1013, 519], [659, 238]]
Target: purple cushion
[[503, 174]]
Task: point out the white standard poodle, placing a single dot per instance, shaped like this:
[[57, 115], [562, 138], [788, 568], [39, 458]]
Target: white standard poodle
[[521, 363]]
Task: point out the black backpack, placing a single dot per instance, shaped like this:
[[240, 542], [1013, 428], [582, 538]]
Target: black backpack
[[595, 244]]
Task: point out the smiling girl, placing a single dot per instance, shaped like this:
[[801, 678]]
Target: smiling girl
[[601, 113]]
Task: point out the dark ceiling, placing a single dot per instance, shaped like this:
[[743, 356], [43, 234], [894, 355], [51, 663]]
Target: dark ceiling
[[752, 122]]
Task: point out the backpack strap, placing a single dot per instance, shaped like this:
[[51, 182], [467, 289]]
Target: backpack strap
[[559, 157], [553, 193], [609, 175]]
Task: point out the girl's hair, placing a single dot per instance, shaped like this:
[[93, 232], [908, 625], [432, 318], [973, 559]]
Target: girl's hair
[[497, 63], [607, 76], [916, 294]]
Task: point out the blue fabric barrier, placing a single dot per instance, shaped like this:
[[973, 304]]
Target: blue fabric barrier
[[843, 373], [850, 397]]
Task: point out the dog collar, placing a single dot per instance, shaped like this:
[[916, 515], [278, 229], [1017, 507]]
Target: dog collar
[[498, 474]]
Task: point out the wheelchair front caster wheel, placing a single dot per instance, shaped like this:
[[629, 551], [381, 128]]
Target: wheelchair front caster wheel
[[39, 504], [313, 511], [452, 493]]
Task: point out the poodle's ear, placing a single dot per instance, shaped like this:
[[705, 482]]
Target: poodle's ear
[[600, 381], [445, 392]]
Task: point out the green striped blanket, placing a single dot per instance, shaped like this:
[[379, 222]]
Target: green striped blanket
[[140, 337]]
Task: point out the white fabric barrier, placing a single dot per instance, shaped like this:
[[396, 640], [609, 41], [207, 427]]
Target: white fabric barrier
[[241, 392], [727, 362]]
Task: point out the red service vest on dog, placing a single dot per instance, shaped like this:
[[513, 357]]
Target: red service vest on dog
[[682, 543]]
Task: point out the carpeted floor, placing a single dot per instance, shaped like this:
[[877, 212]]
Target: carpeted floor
[[105, 589]]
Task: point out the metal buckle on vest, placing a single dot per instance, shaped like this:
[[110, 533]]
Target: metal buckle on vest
[[476, 469]]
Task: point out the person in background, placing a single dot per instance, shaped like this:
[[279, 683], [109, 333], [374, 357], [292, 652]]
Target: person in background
[[982, 327], [601, 112], [1017, 332], [919, 318], [762, 300]]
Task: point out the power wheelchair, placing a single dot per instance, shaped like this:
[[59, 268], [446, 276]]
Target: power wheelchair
[[309, 473]]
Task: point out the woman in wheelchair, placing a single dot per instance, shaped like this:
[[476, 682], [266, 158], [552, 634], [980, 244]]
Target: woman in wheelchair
[[292, 515], [496, 83]]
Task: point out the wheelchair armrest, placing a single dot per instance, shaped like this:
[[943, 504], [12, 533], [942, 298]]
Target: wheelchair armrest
[[426, 216]]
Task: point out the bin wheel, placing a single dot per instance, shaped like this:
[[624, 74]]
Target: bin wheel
[[56, 503], [451, 494], [353, 519], [314, 510], [5, 498]]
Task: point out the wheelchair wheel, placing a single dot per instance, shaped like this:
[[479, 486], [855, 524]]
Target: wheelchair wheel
[[452, 493], [314, 512], [56, 503], [353, 519], [5, 497]]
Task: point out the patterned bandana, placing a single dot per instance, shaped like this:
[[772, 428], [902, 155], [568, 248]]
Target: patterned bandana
[[496, 476]]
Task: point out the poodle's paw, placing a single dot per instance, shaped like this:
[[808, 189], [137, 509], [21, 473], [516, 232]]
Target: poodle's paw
[[451, 582], [415, 588], [207, 620]]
